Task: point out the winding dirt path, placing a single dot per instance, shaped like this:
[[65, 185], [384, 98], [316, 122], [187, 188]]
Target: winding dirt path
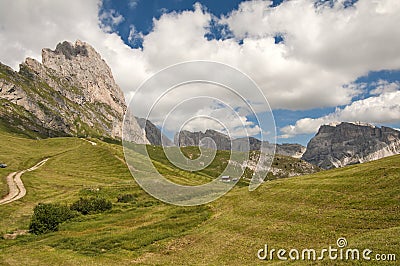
[[16, 188]]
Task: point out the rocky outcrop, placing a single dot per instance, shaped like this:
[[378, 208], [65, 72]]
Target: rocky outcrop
[[223, 142], [290, 149], [71, 93], [153, 133], [132, 132], [187, 138], [337, 145], [82, 67], [281, 167]]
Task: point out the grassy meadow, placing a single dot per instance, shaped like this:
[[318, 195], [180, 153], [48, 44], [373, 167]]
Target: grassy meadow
[[360, 203]]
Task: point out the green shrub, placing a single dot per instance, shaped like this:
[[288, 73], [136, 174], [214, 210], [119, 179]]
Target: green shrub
[[47, 217], [91, 205], [127, 198]]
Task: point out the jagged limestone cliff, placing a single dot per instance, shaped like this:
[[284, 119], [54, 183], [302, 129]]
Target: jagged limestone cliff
[[337, 145], [71, 93], [153, 133]]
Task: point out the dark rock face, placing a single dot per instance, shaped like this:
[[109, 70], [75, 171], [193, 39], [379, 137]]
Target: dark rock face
[[153, 133], [223, 142], [187, 138], [349, 143], [69, 50]]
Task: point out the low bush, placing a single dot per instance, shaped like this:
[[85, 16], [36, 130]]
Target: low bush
[[126, 198], [47, 216], [91, 205]]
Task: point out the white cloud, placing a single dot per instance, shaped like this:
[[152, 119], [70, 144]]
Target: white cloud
[[134, 36], [319, 58], [335, 38], [109, 19], [27, 26], [381, 109], [323, 49], [197, 107], [383, 86], [304, 126], [133, 3]]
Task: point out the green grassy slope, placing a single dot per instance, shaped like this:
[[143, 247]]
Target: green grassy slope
[[75, 169], [359, 202]]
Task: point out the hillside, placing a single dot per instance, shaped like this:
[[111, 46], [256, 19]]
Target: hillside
[[359, 202]]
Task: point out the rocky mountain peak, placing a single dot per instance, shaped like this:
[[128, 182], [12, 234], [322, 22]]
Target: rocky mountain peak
[[357, 123], [350, 143], [72, 92], [69, 50], [83, 67]]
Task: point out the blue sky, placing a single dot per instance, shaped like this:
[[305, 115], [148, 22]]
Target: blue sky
[[316, 61], [141, 13]]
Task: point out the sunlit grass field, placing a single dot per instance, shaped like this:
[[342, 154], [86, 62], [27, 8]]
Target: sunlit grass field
[[361, 203]]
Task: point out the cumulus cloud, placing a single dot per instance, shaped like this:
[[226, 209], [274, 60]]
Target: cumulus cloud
[[324, 49], [314, 66], [381, 109], [335, 38], [382, 86], [109, 19], [196, 106]]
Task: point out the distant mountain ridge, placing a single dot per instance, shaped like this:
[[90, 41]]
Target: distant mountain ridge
[[186, 138], [345, 143], [223, 142]]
